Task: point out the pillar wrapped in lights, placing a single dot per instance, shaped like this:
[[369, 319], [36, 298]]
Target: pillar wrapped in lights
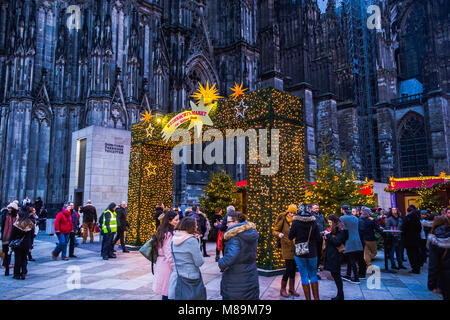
[[268, 195]]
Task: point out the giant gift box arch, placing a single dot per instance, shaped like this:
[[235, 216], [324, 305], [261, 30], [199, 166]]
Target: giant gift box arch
[[151, 166]]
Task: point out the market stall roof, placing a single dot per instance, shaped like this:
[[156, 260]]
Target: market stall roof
[[405, 184]]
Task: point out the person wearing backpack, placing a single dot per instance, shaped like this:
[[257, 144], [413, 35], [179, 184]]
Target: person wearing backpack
[[439, 259], [164, 262], [108, 225]]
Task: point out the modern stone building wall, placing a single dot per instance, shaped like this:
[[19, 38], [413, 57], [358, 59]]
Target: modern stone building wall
[[107, 166]]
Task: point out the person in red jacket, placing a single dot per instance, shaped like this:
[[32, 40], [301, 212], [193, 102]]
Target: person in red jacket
[[63, 228]]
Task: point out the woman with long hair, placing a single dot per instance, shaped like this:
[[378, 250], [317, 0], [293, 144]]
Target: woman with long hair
[[164, 263], [23, 231], [334, 248]]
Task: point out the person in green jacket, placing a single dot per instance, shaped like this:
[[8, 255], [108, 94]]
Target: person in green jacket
[[108, 230]]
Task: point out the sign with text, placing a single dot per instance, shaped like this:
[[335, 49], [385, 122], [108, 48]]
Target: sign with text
[[114, 148]]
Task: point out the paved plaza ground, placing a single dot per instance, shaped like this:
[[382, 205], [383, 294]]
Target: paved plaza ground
[[129, 277]]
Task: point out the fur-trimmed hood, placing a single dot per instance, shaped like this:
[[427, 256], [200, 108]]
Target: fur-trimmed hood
[[239, 228], [304, 218], [25, 225], [441, 238]]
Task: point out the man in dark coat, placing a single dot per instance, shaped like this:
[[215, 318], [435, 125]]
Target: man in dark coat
[[89, 220], [122, 225], [411, 229], [76, 225], [240, 273]]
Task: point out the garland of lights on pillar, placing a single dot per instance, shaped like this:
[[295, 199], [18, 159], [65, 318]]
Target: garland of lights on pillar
[[151, 168]]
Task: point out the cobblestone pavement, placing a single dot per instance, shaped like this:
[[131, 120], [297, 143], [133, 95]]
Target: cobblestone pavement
[[129, 277]]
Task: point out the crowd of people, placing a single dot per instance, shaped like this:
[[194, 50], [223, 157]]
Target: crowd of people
[[20, 223], [309, 242], [181, 244]]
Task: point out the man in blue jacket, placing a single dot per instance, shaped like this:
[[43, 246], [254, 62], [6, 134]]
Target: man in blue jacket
[[352, 245], [367, 228]]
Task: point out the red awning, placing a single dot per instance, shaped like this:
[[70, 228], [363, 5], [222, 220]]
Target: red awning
[[417, 182]]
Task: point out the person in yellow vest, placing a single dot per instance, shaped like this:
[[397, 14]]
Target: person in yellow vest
[[108, 230]]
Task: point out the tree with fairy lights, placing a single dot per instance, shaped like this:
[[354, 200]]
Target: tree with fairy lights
[[429, 198], [336, 185], [220, 192]]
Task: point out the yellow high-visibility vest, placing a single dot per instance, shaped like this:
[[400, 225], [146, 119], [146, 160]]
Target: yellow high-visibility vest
[[112, 222]]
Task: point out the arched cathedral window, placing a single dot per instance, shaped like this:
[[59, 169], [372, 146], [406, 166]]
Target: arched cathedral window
[[413, 151], [412, 44]]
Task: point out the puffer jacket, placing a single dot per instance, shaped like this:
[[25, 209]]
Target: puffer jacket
[[439, 263], [240, 273], [63, 222], [300, 229]]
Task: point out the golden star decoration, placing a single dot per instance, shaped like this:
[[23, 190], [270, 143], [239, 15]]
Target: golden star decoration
[[147, 116], [149, 130], [209, 94], [151, 169], [265, 190], [238, 91]]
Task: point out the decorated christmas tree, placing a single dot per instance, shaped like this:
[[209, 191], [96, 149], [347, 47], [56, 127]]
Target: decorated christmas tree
[[428, 198], [219, 193], [336, 185]]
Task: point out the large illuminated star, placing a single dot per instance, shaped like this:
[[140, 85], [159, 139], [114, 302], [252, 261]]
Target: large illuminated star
[[238, 91], [209, 94], [202, 119], [147, 116], [151, 169], [240, 107]]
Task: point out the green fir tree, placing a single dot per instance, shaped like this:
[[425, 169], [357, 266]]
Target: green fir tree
[[220, 192]]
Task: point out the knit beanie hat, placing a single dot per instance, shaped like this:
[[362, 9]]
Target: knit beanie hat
[[14, 206], [292, 208], [365, 211]]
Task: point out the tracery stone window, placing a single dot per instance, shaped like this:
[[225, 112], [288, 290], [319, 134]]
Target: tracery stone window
[[413, 151]]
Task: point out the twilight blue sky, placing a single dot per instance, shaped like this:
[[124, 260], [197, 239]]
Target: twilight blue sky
[[323, 4]]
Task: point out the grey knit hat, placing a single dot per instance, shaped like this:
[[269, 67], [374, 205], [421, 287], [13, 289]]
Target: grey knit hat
[[366, 211]]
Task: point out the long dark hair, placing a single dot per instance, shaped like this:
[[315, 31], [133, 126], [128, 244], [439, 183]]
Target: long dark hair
[[337, 223], [165, 227]]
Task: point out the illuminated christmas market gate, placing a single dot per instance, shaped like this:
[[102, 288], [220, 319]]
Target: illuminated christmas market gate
[[151, 166]]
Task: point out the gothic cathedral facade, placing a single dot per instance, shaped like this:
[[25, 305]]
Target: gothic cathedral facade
[[379, 98]]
